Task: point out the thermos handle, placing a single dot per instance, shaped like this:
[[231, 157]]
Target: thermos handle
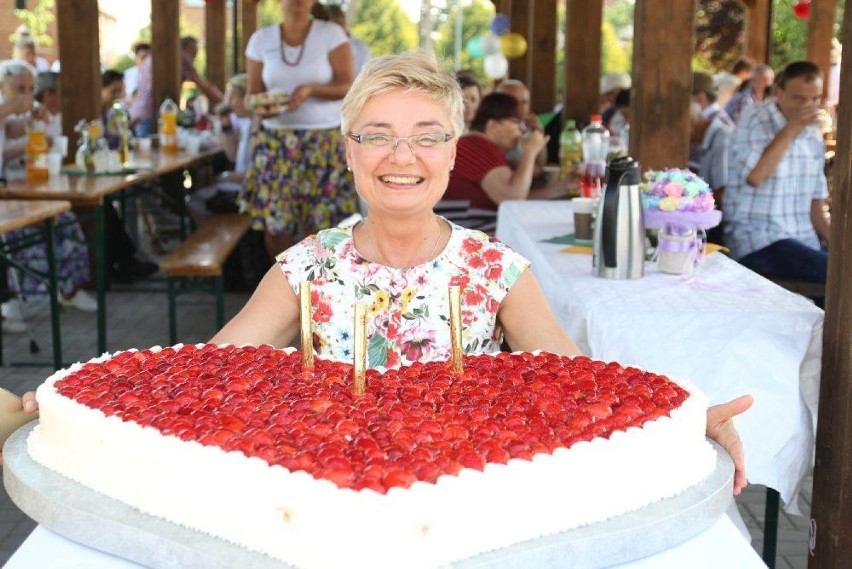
[[609, 220]]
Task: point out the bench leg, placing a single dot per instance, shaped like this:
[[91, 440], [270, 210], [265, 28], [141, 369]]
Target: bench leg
[[220, 302], [172, 312], [770, 527]]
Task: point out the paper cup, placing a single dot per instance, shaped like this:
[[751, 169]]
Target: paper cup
[[193, 144], [584, 211], [54, 163], [60, 145], [143, 144]]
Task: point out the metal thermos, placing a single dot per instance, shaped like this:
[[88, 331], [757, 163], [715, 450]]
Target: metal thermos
[[619, 247]]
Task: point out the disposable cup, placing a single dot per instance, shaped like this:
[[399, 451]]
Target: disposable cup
[[143, 144], [54, 163], [60, 145], [584, 211], [193, 144]]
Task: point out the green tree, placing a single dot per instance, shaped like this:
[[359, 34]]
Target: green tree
[[614, 56], [269, 12], [475, 21], [383, 26], [37, 21]]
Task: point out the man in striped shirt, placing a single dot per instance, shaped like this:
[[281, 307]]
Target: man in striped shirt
[[775, 199]]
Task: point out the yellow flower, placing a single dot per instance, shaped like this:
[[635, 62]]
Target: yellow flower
[[407, 296], [381, 303], [668, 204]]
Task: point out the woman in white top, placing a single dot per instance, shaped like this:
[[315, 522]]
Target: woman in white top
[[297, 180]]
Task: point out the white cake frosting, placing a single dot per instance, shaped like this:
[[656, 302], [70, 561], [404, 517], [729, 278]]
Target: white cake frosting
[[312, 523]]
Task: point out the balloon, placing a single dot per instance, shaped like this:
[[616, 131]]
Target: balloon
[[500, 24], [496, 65], [475, 48], [802, 9], [513, 45], [491, 44]]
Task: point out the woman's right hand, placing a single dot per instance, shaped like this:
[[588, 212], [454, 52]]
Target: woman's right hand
[[533, 142], [29, 403]]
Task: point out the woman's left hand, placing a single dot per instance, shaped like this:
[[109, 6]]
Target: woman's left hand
[[720, 428], [299, 96]]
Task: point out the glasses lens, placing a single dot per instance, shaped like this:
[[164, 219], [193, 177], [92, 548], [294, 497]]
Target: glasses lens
[[420, 144]]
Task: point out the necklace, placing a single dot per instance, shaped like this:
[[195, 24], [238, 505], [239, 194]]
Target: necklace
[[284, 46], [381, 259]]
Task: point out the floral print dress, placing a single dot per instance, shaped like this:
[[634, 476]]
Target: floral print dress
[[407, 309]]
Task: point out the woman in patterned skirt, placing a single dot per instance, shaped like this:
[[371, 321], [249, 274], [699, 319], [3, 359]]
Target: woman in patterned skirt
[[297, 181]]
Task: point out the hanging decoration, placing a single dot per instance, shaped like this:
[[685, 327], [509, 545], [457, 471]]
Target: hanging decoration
[[474, 47], [802, 9], [496, 66], [491, 44], [513, 45]]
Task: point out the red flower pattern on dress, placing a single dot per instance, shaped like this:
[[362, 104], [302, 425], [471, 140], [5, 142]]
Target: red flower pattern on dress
[[476, 262], [471, 245], [492, 255], [494, 272]]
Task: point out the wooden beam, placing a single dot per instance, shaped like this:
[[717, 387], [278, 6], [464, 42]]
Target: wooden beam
[[820, 32], [165, 50], [831, 537], [215, 32], [659, 107], [81, 69], [758, 28], [542, 45], [521, 17], [582, 59], [249, 25]]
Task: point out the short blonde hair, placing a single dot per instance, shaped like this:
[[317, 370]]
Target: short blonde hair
[[410, 71], [239, 83]]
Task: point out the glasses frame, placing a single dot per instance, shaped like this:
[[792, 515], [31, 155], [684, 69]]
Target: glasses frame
[[397, 139]]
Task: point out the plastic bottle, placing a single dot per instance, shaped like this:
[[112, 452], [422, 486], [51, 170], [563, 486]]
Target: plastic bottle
[[117, 131], [595, 148], [85, 156], [36, 160], [570, 149], [168, 126]]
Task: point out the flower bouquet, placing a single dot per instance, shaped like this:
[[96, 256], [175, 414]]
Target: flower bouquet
[[680, 206]]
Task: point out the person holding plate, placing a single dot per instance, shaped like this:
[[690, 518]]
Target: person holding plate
[[297, 180]]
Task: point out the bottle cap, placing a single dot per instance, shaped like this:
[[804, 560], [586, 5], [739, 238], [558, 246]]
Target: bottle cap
[[596, 118], [570, 123]]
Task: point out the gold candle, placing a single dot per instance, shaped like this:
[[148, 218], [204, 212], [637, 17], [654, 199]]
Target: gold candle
[[360, 337], [305, 320], [455, 328]]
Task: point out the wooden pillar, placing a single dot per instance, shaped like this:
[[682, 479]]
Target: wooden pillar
[[758, 29], [215, 32], [520, 68], [503, 6], [542, 45], [165, 49], [659, 106], [581, 94], [820, 32], [832, 501], [80, 80], [249, 25]]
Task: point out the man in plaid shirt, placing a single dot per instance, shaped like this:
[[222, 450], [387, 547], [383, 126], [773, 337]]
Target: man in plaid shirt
[[775, 199]]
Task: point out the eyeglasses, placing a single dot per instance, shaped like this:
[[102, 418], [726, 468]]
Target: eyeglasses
[[426, 144]]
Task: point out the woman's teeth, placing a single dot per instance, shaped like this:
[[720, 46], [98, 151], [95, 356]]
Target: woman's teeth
[[401, 180]]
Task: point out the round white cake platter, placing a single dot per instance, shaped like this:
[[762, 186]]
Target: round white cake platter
[[88, 517]]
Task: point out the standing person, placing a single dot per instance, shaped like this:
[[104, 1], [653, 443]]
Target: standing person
[[298, 180], [25, 50], [189, 51], [361, 52], [752, 91], [141, 51], [775, 199], [142, 105]]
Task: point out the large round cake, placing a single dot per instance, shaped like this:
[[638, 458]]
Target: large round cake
[[426, 468]]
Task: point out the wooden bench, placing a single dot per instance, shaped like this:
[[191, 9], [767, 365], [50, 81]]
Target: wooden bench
[[199, 259], [810, 289]]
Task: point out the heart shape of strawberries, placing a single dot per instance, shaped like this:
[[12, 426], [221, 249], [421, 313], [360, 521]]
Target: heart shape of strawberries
[[413, 423]]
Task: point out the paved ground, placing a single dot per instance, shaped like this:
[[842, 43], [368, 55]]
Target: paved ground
[[137, 317]]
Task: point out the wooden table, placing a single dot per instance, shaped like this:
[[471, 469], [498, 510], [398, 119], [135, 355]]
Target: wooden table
[[16, 214], [91, 191]]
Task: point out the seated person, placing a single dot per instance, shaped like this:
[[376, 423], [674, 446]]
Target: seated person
[[530, 122], [401, 259], [472, 91], [483, 177], [112, 89], [220, 197], [775, 196], [17, 87]]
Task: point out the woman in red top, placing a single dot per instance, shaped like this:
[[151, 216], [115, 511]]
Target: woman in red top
[[482, 177]]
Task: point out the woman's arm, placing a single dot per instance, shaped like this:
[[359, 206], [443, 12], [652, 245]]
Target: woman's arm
[[341, 66], [254, 70], [529, 324], [271, 315], [503, 183]]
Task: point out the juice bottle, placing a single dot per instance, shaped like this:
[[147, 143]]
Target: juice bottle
[[36, 160], [570, 149], [168, 126]]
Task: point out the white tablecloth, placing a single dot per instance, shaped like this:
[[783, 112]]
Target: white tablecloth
[[720, 546], [727, 329]]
